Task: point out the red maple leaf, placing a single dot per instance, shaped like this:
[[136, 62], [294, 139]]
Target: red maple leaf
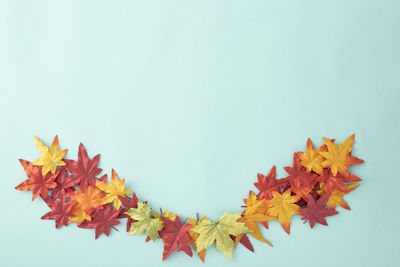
[[103, 220], [268, 184], [245, 241], [175, 235], [316, 210], [60, 211], [128, 203], [63, 185], [84, 170], [337, 182], [298, 175], [36, 181]]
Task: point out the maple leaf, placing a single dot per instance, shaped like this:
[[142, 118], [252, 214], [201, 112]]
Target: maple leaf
[[298, 175], [63, 186], [338, 158], [195, 235], [37, 182], [219, 232], [159, 216], [336, 197], [128, 203], [244, 240], [337, 182], [311, 159], [113, 190], [51, 158], [256, 206], [316, 211], [250, 221], [79, 215], [84, 170], [90, 199], [301, 192], [144, 222], [175, 235], [266, 185], [60, 211], [283, 206], [103, 220]]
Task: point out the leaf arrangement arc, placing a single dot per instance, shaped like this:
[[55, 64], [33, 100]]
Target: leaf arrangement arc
[[315, 186]]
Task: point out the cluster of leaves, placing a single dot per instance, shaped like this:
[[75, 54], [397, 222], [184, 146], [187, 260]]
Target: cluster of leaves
[[315, 185]]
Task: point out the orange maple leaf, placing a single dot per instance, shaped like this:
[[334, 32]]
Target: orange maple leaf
[[338, 157], [311, 159], [336, 197], [89, 200]]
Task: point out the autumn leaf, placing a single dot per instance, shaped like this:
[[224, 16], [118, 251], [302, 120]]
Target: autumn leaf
[[164, 214], [336, 197], [60, 211], [337, 182], [159, 216], [338, 157], [63, 186], [84, 170], [298, 175], [90, 199], [51, 158], [256, 206], [175, 235], [128, 203], [36, 182], [311, 159], [144, 222], [219, 232], [113, 190], [283, 206], [194, 236], [315, 212], [244, 240], [79, 215], [250, 221], [268, 184], [103, 220]]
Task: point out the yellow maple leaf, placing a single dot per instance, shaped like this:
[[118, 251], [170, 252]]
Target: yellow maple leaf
[[194, 236], [337, 156], [144, 221], [113, 190], [219, 232], [165, 214], [336, 197], [311, 159], [254, 205], [51, 158], [282, 206]]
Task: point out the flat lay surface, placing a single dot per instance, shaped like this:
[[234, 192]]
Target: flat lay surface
[[188, 102]]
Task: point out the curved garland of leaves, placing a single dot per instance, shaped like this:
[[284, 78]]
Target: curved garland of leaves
[[315, 185]]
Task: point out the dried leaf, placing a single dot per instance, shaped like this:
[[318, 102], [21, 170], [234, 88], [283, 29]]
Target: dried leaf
[[113, 190], [316, 211], [51, 158], [219, 232], [175, 235], [144, 222], [84, 170], [283, 206], [36, 182]]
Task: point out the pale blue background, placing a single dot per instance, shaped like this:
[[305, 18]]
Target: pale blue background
[[188, 100]]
